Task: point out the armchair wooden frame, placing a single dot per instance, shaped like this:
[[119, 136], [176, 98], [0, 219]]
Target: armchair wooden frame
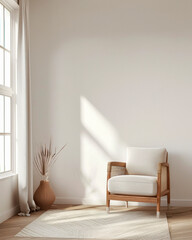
[[161, 190]]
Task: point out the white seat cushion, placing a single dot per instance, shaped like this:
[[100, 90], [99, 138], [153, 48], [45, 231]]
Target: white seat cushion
[[144, 161], [133, 185]]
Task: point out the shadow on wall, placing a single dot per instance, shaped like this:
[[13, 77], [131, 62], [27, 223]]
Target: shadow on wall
[[99, 144]]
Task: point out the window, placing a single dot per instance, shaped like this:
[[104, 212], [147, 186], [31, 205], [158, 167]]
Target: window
[[7, 89]]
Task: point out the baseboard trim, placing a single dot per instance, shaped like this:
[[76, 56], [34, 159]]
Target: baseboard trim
[[8, 213], [181, 202], [89, 201]]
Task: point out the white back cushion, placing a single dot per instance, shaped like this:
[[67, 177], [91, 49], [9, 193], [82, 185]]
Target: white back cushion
[[144, 161]]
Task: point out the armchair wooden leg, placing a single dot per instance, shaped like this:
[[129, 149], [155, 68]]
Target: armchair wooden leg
[[168, 200], [126, 204], [158, 207], [108, 206]]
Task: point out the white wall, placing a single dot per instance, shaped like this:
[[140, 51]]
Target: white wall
[[106, 75], [8, 197]]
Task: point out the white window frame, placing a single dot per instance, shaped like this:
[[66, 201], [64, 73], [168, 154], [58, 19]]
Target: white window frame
[[13, 8]]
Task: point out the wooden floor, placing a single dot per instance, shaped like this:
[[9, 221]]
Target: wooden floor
[[179, 220]]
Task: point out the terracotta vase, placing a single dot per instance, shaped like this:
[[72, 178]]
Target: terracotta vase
[[44, 196]]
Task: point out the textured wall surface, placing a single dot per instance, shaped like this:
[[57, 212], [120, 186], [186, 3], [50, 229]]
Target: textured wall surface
[[106, 75]]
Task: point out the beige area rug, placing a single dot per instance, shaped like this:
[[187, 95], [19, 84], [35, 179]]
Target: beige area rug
[[94, 223]]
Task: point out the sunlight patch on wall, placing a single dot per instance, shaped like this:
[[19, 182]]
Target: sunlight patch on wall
[[93, 168], [102, 130], [100, 144]]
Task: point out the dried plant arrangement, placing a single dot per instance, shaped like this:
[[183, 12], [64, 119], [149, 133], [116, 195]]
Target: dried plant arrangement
[[45, 159]]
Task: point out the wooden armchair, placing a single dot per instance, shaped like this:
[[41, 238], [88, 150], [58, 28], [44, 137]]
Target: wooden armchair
[[143, 178]]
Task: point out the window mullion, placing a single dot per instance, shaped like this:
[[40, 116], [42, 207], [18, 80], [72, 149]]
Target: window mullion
[[6, 91], [7, 50], [4, 130], [3, 45]]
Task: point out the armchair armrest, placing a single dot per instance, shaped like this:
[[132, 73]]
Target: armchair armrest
[[109, 170], [165, 164], [117, 164], [163, 181], [114, 164]]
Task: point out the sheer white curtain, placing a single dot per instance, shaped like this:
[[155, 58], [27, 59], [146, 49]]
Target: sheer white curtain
[[24, 124]]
